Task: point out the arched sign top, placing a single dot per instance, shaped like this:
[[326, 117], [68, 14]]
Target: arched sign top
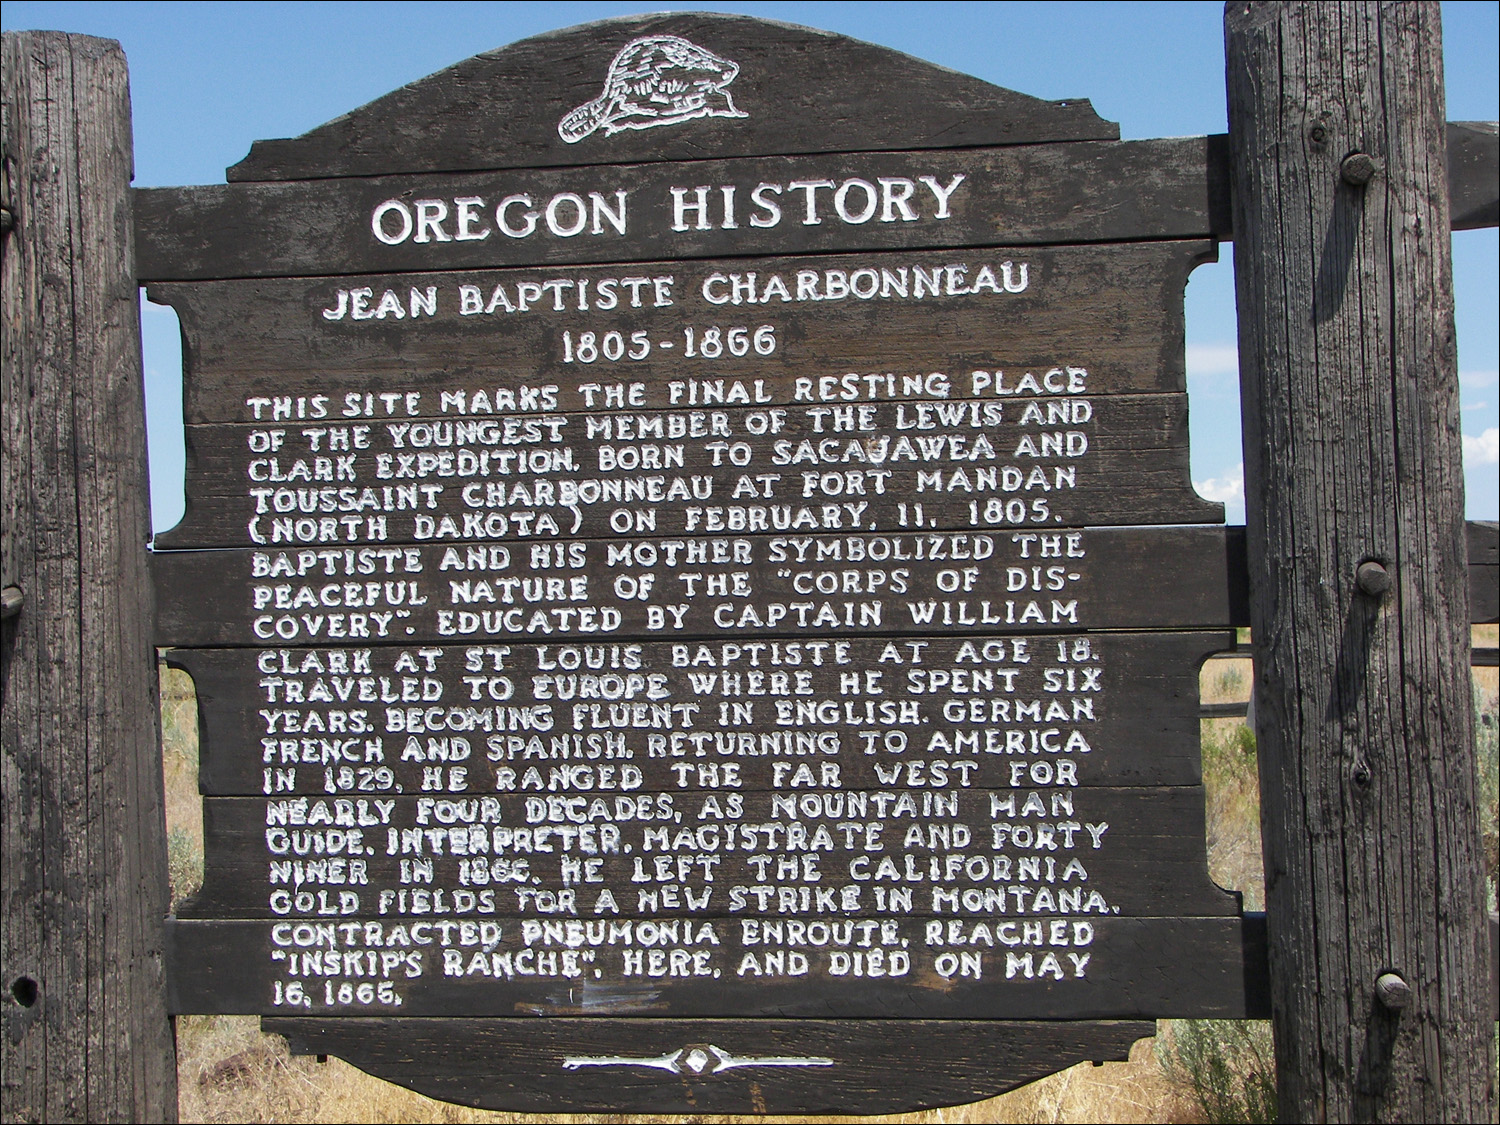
[[678, 512], [669, 87]]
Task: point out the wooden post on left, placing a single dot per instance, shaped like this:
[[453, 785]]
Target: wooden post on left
[[85, 1034]]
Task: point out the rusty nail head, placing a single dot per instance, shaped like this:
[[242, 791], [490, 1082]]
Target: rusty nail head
[[1373, 579], [1357, 168], [11, 600], [1392, 991]]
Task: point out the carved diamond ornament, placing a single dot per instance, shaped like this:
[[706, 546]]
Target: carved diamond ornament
[[696, 1058]]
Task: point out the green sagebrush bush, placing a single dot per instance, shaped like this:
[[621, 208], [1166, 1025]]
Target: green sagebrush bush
[[1487, 752], [1229, 1066]]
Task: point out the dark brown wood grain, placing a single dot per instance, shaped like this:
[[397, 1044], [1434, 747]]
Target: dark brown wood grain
[[1116, 312], [1073, 193], [1037, 464], [1482, 541], [189, 591], [874, 1067], [208, 598], [1363, 702], [799, 90], [1138, 968], [83, 880], [522, 1063], [1136, 687], [1079, 193], [1144, 851], [1473, 174], [1483, 545]]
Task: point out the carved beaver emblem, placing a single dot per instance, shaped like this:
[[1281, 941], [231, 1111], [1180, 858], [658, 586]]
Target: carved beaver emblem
[[656, 80]]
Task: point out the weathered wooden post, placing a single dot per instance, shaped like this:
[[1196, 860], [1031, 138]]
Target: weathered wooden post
[[1355, 529], [86, 1035]]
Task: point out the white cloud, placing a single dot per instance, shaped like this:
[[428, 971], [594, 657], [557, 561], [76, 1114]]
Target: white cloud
[[1468, 380], [1213, 359], [1230, 488], [1481, 450]]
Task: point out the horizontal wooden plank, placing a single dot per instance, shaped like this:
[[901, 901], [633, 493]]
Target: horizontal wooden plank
[[1137, 968], [750, 1066], [1131, 696], [1087, 192], [250, 597], [1494, 966], [1115, 312], [1166, 189], [201, 602], [1216, 597], [968, 464], [788, 89], [710, 853], [1484, 601], [1473, 174], [1483, 539]]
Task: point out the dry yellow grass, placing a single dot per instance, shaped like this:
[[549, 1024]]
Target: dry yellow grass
[[179, 732], [1232, 787]]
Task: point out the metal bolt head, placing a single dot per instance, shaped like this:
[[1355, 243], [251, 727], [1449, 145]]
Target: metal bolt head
[[1358, 169], [1373, 579], [1392, 991], [11, 600]]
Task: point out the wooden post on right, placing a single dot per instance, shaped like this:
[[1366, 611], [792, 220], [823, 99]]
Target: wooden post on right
[[1355, 507]]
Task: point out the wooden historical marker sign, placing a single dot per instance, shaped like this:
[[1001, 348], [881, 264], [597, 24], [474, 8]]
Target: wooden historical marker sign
[[692, 579]]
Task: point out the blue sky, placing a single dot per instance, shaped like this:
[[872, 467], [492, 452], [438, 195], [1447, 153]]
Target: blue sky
[[207, 79]]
